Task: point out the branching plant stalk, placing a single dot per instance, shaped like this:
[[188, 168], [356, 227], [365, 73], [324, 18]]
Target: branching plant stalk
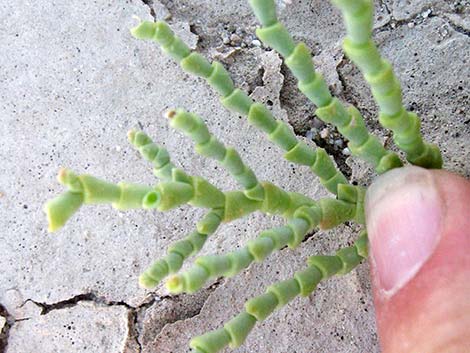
[[301, 213]]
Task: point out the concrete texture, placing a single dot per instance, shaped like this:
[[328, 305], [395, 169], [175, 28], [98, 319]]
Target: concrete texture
[[73, 81], [63, 330]]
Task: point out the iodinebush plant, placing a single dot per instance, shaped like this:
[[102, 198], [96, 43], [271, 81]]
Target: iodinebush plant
[[302, 214]]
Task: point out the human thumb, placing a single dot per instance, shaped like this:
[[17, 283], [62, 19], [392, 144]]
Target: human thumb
[[418, 223]]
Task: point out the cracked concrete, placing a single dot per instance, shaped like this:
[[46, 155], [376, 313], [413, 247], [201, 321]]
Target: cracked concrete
[[76, 81], [84, 327]]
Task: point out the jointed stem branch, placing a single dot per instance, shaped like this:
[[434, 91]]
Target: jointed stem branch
[[179, 251], [157, 155], [298, 59], [361, 49], [208, 146], [302, 214], [303, 283], [86, 189], [238, 101], [326, 212]]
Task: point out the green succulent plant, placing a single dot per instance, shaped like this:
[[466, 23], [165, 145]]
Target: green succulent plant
[[302, 214]]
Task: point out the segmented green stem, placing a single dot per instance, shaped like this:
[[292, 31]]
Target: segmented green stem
[[180, 250], [326, 212], [298, 59], [180, 188], [86, 189], [378, 72], [177, 187], [209, 146], [237, 205], [157, 155], [238, 101], [303, 283]]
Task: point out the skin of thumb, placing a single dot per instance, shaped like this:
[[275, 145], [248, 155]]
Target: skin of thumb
[[418, 223]]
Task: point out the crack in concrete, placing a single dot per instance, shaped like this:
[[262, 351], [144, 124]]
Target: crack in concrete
[[189, 313], [133, 311], [337, 155], [149, 4], [455, 27], [5, 331], [348, 92], [418, 19], [71, 302], [136, 316]]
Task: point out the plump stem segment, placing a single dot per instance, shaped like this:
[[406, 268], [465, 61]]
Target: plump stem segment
[[86, 189], [238, 101], [157, 155], [61, 208], [179, 251], [303, 283], [302, 212], [326, 213], [209, 146], [298, 59], [378, 72]]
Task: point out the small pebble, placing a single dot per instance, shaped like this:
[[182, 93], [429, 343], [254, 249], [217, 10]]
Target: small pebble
[[317, 123], [411, 25], [118, 148], [235, 39], [325, 133], [256, 43], [346, 151], [339, 143]]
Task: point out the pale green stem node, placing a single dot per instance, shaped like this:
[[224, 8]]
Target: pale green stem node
[[362, 245], [262, 306], [237, 101], [220, 80], [316, 90], [61, 208], [168, 195], [157, 155], [277, 37], [211, 342], [239, 327], [335, 212], [284, 291], [197, 65], [308, 280], [354, 195], [265, 11], [237, 205], [349, 258]]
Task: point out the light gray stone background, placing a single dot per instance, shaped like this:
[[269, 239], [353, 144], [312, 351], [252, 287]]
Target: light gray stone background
[[73, 81]]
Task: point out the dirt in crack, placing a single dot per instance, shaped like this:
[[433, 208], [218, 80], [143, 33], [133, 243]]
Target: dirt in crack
[[5, 330], [68, 303]]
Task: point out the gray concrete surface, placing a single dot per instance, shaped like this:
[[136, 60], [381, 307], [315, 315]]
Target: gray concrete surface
[[73, 81]]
